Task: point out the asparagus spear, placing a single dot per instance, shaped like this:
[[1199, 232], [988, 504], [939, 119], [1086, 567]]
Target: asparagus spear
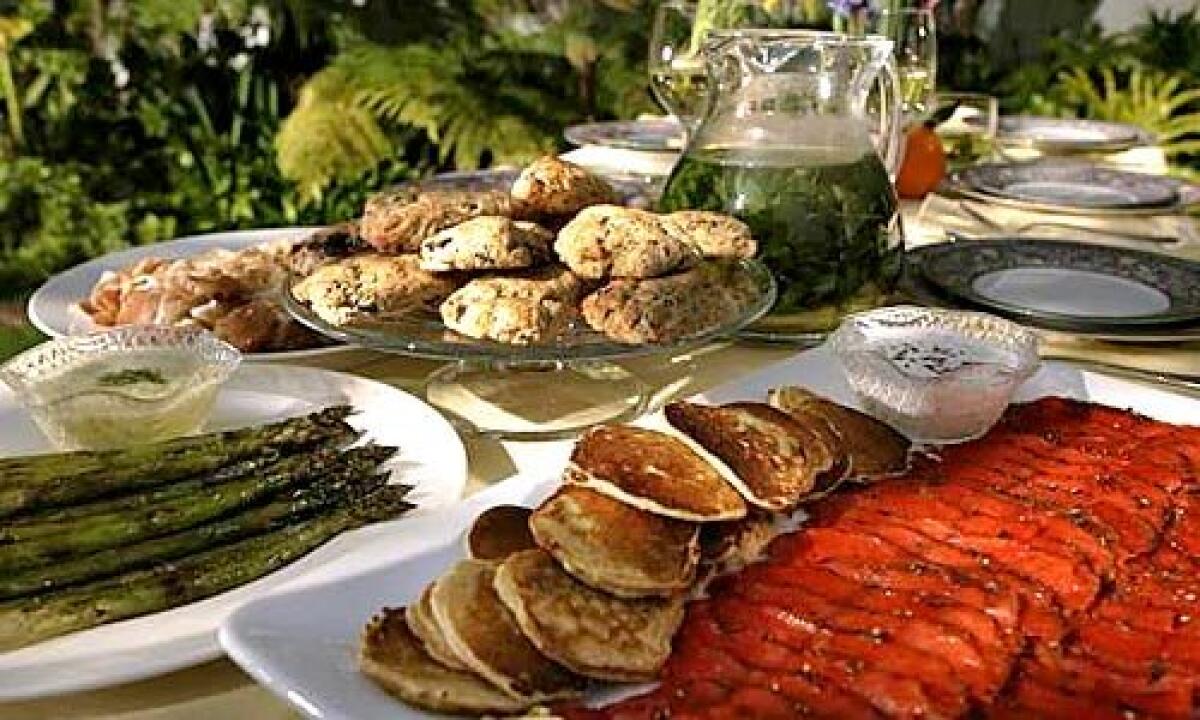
[[40, 481], [24, 525], [29, 620], [347, 488], [30, 525], [45, 544]]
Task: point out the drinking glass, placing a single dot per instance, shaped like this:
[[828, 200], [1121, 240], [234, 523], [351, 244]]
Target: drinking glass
[[914, 32], [969, 133], [678, 77]]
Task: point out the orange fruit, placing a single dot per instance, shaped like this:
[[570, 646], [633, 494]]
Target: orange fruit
[[924, 164]]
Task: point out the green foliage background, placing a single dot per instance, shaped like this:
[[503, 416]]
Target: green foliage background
[[131, 122]]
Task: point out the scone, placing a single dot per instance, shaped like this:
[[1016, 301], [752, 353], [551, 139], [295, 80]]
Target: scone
[[609, 241], [324, 246], [378, 285], [487, 243], [664, 309], [550, 186], [715, 235], [522, 308], [398, 220]]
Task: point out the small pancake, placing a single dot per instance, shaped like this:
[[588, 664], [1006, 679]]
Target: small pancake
[[873, 449], [424, 626], [650, 555], [821, 428], [655, 472], [499, 532], [394, 658], [484, 635], [589, 631], [776, 459], [731, 545]]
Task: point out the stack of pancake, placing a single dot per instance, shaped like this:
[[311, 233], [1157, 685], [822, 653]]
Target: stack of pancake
[[591, 585]]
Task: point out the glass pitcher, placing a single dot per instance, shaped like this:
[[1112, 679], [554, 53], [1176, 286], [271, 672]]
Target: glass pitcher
[[789, 145]]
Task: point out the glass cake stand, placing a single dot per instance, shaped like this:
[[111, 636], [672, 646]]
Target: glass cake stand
[[530, 392]]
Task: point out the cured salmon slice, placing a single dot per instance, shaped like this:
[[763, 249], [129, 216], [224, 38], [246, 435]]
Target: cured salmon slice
[[1090, 686], [986, 633], [1073, 584], [1040, 614], [1021, 520]]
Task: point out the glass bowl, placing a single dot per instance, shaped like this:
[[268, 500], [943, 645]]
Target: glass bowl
[[935, 375], [135, 384]]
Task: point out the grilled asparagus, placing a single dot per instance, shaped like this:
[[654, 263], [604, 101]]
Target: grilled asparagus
[[319, 497], [29, 620], [41, 481], [37, 545]]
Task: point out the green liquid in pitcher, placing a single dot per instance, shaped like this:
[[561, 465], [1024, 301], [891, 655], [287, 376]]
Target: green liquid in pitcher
[[826, 223]]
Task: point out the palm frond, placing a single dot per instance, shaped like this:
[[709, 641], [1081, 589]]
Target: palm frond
[[1162, 103]]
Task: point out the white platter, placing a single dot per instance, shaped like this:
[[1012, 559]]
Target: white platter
[[54, 310], [301, 643], [431, 458]]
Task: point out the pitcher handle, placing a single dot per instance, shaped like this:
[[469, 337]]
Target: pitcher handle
[[891, 128]]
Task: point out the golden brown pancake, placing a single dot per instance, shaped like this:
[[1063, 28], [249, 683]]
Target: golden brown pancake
[[826, 434], [499, 532], [484, 635], [422, 624], [655, 472], [776, 459], [872, 448], [591, 632], [394, 658], [818, 447], [731, 545], [615, 547]]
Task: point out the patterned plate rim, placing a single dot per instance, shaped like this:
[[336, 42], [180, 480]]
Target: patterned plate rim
[[926, 256], [975, 178]]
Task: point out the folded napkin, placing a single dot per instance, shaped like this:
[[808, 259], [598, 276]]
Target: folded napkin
[[1180, 359], [939, 216]]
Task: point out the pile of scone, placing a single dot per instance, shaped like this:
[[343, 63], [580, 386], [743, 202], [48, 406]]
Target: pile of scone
[[524, 266], [592, 584]]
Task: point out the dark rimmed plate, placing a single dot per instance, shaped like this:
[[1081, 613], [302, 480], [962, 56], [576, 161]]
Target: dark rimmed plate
[[658, 135], [1065, 286], [1069, 135], [1071, 184]]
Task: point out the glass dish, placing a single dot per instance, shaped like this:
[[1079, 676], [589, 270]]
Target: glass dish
[[487, 384], [131, 385], [936, 375]]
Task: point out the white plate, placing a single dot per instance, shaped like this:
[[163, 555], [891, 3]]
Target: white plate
[[1069, 134], [431, 458], [1067, 291], [54, 307], [301, 643]]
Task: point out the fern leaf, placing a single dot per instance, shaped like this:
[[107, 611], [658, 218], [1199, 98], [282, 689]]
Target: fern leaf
[[326, 139]]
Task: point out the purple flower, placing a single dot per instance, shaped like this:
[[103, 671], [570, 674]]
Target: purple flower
[[848, 8]]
